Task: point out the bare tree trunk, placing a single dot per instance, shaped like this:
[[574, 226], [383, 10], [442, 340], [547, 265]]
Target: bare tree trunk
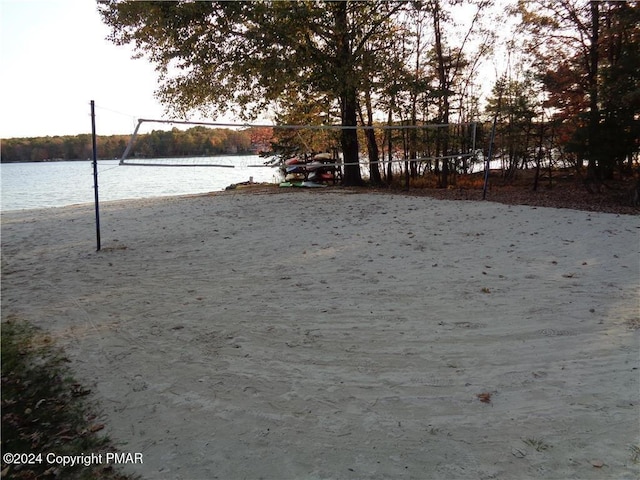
[[372, 145], [539, 155], [593, 168], [390, 144], [413, 154], [348, 99], [444, 91], [413, 165]]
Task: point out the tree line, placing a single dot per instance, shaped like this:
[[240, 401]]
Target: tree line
[[196, 141], [571, 91]]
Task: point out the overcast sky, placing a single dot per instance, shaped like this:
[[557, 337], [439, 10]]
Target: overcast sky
[[54, 60]]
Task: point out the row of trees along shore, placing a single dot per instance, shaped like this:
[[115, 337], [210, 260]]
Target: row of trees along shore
[[570, 91], [195, 141], [569, 97]]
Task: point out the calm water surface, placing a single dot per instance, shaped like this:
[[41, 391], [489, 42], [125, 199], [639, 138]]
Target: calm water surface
[[58, 184]]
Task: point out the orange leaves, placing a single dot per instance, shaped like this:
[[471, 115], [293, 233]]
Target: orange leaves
[[484, 397]]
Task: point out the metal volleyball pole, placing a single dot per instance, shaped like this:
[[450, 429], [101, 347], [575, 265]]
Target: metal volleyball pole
[[95, 172]]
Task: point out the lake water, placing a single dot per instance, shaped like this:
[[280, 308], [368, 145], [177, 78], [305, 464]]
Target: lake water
[[58, 184]]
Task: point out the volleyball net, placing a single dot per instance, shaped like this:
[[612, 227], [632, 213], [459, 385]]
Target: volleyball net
[[397, 146]]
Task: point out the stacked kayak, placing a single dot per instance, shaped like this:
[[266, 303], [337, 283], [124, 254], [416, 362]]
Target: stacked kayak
[[316, 171]]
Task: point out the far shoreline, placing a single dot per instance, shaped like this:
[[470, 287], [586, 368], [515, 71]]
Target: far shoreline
[[55, 160]]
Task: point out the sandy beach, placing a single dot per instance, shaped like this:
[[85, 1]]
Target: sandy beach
[[326, 334]]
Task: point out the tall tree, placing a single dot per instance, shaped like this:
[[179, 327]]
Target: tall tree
[[516, 102], [572, 41], [244, 56], [451, 62], [620, 83]]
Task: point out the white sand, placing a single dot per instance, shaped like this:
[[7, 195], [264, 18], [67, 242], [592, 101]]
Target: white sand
[[315, 334]]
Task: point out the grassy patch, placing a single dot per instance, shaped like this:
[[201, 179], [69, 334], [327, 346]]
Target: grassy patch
[[537, 443], [635, 453], [45, 411]]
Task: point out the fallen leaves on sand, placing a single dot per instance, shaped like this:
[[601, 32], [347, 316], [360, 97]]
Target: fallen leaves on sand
[[43, 410], [484, 397], [567, 192], [78, 390], [633, 323], [96, 427]]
